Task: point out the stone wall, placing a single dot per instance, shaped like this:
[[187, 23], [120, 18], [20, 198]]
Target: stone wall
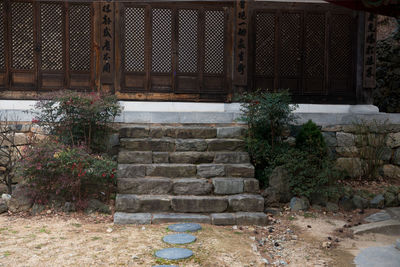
[[25, 134], [360, 148]]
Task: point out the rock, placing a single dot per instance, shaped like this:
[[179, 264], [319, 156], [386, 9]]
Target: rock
[[251, 185], [96, 205], [332, 207], [191, 186], [171, 170], [397, 244], [192, 157], [226, 145], [232, 157], [346, 203], [179, 239], [69, 207], [386, 154], [378, 202], [3, 206], [206, 204], [251, 218], [246, 202], [390, 199], [230, 132], [353, 166], [345, 139], [154, 186], [131, 170], [391, 171], [239, 170], [228, 186], [180, 217], [37, 209], [330, 138], [143, 157], [174, 253], [161, 157], [210, 170], [297, 204], [6, 197], [185, 227], [378, 217], [279, 186], [132, 218], [191, 145], [223, 218], [20, 199], [393, 140], [273, 211], [396, 157], [360, 202]]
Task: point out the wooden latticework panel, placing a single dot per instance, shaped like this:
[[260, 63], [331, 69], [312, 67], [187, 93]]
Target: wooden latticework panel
[[340, 46], [187, 43], [161, 53], [264, 58], [51, 36], [79, 37], [214, 41], [134, 39], [314, 50], [22, 35], [290, 44], [2, 50]]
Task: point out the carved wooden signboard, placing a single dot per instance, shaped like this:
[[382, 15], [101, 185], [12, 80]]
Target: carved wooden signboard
[[106, 29], [242, 24], [370, 51]]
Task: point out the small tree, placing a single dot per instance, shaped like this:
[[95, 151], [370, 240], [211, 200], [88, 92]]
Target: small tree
[[78, 118]]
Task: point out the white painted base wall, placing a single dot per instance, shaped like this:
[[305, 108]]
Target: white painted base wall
[[190, 112]]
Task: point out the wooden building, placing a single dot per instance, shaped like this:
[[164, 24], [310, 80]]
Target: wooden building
[[187, 50]]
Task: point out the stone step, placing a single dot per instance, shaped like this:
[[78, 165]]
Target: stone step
[[175, 170], [172, 145], [148, 157], [187, 186], [189, 203], [238, 218], [182, 132]]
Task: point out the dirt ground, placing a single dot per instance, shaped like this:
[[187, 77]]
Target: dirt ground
[[304, 239]]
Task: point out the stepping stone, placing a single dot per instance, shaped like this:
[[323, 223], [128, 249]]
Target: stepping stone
[[378, 256], [174, 253], [378, 217], [185, 227], [165, 266], [179, 239]]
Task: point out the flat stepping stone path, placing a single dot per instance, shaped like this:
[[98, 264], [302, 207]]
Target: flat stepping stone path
[[174, 253], [185, 227], [378, 256], [179, 239]]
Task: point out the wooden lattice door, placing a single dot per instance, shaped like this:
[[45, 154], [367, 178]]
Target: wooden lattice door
[[46, 45], [307, 50], [174, 51]]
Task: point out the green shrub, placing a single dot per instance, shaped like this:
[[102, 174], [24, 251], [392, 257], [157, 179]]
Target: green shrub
[[268, 116], [78, 118], [310, 139], [70, 172]]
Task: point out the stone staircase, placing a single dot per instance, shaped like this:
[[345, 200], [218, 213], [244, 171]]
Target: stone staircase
[[186, 174]]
